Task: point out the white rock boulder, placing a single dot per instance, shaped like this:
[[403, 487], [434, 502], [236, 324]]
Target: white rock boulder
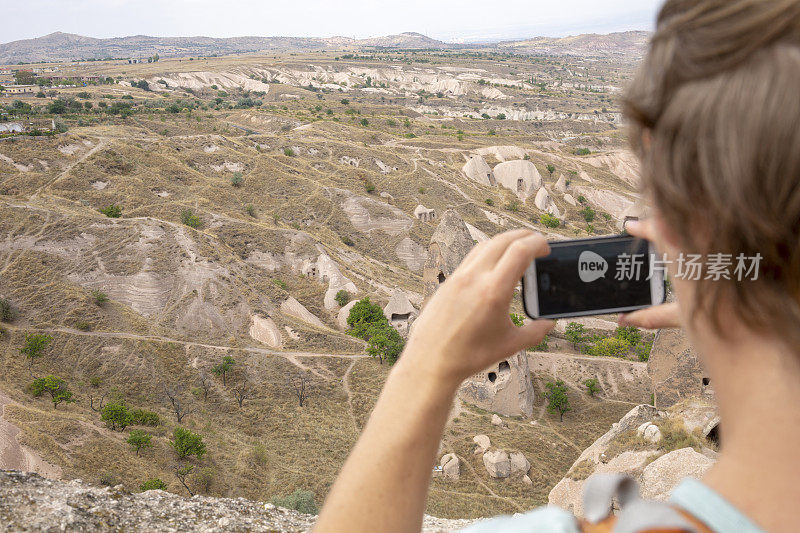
[[451, 466], [519, 464], [662, 475], [482, 443], [344, 312], [497, 463]]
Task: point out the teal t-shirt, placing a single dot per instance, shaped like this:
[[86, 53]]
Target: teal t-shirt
[[691, 495]]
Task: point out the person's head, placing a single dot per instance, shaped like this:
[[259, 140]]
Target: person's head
[[715, 119]]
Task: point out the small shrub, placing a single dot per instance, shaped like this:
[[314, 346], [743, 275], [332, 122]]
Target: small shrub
[[288, 152], [549, 221], [348, 241], [6, 311], [116, 416], [236, 179], [250, 210], [581, 199], [299, 500], [342, 297], [642, 351], [153, 484], [112, 211], [369, 186], [592, 386], [280, 283], [517, 319], [513, 205], [575, 333], [364, 122], [551, 169], [95, 381], [421, 190], [190, 219], [99, 297], [541, 347], [83, 325], [489, 202], [610, 347], [108, 480], [583, 151], [628, 333], [143, 417]]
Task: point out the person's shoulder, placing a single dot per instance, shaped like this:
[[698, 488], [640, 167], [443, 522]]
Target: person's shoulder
[[550, 519]]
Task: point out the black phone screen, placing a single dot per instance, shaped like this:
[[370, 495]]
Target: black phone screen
[[591, 276]]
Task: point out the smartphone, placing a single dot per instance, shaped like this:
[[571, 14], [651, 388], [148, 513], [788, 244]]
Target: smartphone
[[594, 276]]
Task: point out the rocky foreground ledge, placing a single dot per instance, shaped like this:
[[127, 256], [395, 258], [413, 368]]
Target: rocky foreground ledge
[[29, 502]]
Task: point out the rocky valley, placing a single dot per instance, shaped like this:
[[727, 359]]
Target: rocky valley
[[184, 239]]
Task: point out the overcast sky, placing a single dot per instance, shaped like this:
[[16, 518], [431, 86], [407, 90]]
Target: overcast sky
[[449, 20]]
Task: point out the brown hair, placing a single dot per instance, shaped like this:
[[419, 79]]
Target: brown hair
[[718, 95]]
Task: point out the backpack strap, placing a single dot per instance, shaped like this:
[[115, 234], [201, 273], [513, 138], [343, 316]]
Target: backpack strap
[[636, 516]]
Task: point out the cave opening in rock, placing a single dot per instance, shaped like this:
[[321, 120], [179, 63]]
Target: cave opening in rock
[[399, 317], [441, 277], [713, 435], [492, 376], [706, 382], [504, 366]]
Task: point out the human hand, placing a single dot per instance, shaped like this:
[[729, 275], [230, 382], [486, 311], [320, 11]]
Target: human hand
[[466, 326], [659, 316]]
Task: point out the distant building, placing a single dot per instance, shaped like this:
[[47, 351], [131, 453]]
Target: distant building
[[19, 89], [5, 72]]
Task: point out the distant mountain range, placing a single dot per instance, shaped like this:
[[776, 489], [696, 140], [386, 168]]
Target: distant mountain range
[[67, 47]]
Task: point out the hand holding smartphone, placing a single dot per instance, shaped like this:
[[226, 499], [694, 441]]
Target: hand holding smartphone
[[594, 276]]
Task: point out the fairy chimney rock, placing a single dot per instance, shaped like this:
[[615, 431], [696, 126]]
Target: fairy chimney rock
[[479, 171], [400, 312], [519, 176], [561, 184], [450, 244]]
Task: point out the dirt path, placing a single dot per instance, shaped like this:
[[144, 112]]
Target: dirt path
[[155, 338], [101, 144], [349, 393], [15, 456]]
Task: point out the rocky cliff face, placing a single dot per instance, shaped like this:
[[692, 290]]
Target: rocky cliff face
[[29, 502]]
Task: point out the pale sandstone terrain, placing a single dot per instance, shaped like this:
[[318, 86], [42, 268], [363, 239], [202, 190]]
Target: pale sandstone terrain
[[359, 172]]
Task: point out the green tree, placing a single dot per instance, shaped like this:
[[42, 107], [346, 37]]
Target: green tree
[[575, 333], [342, 297], [24, 77], [153, 484], [185, 443], [223, 368], [385, 343], [55, 387], [588, 213], [35, 344], [557, 400], [299, 500], [57, 107], [592, 386], [362, 315], [139, 439], [116, 416]]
